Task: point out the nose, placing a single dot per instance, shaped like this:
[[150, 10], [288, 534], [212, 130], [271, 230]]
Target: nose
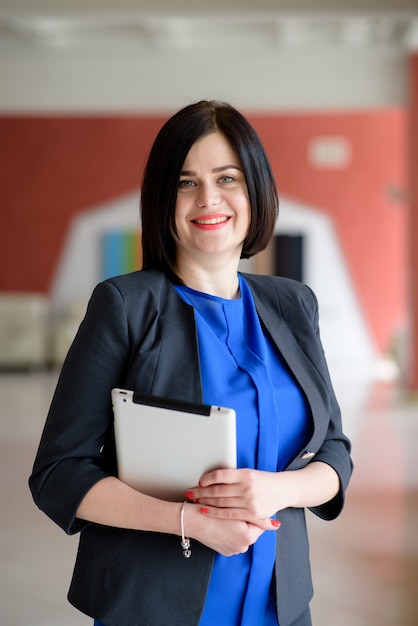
[[208, 195]]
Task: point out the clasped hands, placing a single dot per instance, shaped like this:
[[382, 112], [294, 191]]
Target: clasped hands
[[243, 497]]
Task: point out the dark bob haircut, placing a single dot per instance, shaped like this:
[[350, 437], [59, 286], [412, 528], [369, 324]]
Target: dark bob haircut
[[162, 175]]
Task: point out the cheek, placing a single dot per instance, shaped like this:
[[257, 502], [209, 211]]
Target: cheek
[[180, 225], [178, 214], [178, 218], [247, 211], [181, 208]]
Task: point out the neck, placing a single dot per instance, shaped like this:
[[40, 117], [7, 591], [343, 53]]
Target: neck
[[222, 282]]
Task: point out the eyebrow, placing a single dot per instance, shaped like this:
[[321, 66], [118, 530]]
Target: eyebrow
[[221, 168]]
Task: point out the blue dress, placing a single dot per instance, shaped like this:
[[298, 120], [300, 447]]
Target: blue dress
[[241, 368]]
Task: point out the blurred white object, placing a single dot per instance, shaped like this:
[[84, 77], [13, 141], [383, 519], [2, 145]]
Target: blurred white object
[[23, 329]]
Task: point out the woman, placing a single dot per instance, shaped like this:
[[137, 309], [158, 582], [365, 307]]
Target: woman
[[190, 326]]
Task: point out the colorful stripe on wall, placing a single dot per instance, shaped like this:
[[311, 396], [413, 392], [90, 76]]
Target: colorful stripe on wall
[[121, 253]]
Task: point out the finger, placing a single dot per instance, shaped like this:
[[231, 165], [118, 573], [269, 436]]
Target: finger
[[268, 524], [219, 476], [224, 502], [223, 490], [241, 515], [214, 492], [225, 513]]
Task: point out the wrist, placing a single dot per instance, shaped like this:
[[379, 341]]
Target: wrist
[[286, 489]]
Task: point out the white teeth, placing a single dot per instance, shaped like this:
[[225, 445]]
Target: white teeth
[[213, 220]]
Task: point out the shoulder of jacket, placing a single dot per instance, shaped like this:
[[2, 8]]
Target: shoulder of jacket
[[138, 292], [283, 286], [140, 277], [141, 281], [286, 293]]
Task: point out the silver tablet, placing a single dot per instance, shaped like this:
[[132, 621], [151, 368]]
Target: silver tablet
[[163, 446]]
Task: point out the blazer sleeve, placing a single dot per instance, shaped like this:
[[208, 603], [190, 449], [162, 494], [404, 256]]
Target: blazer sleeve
[[71, 457], [335, 449]]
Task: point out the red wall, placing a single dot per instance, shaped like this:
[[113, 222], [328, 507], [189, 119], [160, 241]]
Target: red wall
[[370, 223], [52, 168]]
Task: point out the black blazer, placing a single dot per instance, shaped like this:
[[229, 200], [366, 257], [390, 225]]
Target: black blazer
[[139, 334]]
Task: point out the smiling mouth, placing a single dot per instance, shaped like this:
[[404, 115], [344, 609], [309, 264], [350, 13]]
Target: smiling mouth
[[211, 220]]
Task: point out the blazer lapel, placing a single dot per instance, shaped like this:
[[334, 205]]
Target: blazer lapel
[[300, 364], [177, 372]]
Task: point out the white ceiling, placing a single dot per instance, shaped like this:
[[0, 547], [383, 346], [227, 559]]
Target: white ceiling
[[204, 6], [72, 24], [107, 55]]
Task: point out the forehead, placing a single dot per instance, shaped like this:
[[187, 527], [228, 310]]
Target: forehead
[[213, 148]]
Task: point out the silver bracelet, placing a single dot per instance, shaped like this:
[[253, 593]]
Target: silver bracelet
[[185, 541]]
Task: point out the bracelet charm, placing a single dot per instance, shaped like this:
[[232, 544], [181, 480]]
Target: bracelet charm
[[185, 544], [185, 541]]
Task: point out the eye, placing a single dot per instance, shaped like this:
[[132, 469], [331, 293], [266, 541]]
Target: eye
[[186, 184], [226, 179]]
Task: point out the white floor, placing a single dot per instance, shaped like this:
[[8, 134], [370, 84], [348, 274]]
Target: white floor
[[365, 563]]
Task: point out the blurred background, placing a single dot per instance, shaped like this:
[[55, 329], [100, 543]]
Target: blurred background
[[332, 89]]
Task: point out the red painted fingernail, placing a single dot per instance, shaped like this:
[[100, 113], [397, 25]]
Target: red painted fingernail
[[190, 495], [204, 510], [275, 523]]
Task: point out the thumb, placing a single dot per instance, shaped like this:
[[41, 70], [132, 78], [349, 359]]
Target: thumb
[[267, 523]]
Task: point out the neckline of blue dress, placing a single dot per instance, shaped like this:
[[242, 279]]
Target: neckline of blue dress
[[195, 295]]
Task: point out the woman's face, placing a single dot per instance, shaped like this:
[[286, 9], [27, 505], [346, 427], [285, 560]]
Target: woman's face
[[212, 208]]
